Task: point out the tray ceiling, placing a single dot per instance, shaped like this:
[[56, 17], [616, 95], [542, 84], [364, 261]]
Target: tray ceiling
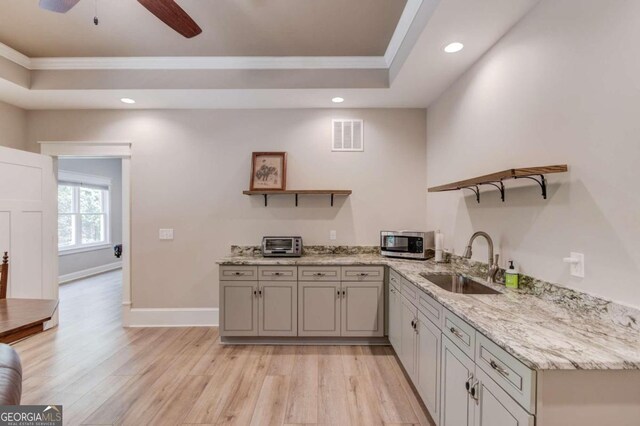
[[230, 28]]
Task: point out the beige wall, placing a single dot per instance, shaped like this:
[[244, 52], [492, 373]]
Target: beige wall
[[13, 126], [189, 168], [562, 86]]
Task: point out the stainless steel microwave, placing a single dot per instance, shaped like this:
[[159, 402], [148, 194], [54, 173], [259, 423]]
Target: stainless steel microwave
[[282, 246], [408, 244]]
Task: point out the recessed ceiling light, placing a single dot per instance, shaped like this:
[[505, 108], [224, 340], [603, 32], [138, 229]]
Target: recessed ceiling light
[[337, 100], [453, 47], [127, 101]]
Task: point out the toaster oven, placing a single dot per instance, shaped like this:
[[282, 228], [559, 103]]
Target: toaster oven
[[282, 246]]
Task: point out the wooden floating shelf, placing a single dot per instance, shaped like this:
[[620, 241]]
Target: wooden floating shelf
[[296, 192], [496, 179]]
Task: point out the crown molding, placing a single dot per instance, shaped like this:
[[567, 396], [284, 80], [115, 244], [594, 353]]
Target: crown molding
[[14, 56], [210, 63], [225, 62], [406, 19]]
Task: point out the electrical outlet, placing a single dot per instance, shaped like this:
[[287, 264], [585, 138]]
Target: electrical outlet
[[576, 264], [333, 235], [166, 234]]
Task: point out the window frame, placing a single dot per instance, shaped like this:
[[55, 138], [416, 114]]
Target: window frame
[[80, 179]]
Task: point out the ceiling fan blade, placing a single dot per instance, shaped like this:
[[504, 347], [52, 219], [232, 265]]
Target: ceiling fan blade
[[59, 6], [173, 15]]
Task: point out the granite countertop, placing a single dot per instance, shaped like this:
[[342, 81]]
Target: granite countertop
[[544, 333]]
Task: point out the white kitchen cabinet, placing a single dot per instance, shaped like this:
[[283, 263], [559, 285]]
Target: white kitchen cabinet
[[427, 372], [407, 355], [239, 308], [319, 308], [349, 309], [362, 309], [495, 407], [457, 406], [277, 308], [395, 319]]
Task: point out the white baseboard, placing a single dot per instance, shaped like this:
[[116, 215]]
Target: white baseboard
[[62, 279], [170, 317]]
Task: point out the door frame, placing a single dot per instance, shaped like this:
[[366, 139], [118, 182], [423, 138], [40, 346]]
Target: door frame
[[104, 149]]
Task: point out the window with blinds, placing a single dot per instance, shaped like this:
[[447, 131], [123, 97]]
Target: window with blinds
[[83, 211], [347, 135]]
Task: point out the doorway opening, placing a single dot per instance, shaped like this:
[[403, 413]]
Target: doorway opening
[[81, 229], [89, 222]]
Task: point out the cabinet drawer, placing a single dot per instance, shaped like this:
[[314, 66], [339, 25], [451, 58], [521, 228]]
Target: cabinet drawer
[[410, 291], [430, 308], [362, 273], [238, 273], [510, 374], [395, 279], [277, 273], [460, 333], [318, 273]]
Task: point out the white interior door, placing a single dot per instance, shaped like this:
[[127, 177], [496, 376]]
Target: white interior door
[[28, 210]]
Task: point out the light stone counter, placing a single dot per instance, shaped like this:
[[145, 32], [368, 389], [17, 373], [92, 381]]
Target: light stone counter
[[545, 326]]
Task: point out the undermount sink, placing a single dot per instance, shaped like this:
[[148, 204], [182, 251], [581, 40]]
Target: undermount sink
[[456, 283]]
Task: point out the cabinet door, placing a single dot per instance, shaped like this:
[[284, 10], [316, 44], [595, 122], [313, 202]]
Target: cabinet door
[[496, 407], [408, 337], [456, 404], [395, 320], [362, 309], [428, 364], [319, 308], [239, 308], [277, 308]]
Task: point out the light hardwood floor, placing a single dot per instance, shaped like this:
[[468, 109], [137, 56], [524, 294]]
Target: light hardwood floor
[[103, 373]]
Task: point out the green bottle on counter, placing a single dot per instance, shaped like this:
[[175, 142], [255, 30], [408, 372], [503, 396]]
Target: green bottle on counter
[[511, 277]]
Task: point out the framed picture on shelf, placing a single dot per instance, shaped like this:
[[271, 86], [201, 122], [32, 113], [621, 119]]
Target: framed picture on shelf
[[268, 171]]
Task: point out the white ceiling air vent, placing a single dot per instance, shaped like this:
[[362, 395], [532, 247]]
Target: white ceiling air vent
[[348, 135]]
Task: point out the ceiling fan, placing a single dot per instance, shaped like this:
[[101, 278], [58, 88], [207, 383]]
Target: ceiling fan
[[167, 11]]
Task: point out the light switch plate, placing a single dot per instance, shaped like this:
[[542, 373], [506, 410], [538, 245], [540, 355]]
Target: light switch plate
[[577, 268], [333, 235], [166, 234]]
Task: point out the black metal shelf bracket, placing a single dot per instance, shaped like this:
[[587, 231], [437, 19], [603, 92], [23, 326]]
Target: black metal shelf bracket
[[296, 200], [265, 200], [498, 185], [475, 190], [331, 200], [542, 182]]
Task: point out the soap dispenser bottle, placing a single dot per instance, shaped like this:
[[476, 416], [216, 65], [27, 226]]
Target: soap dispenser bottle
[[511, 277]]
